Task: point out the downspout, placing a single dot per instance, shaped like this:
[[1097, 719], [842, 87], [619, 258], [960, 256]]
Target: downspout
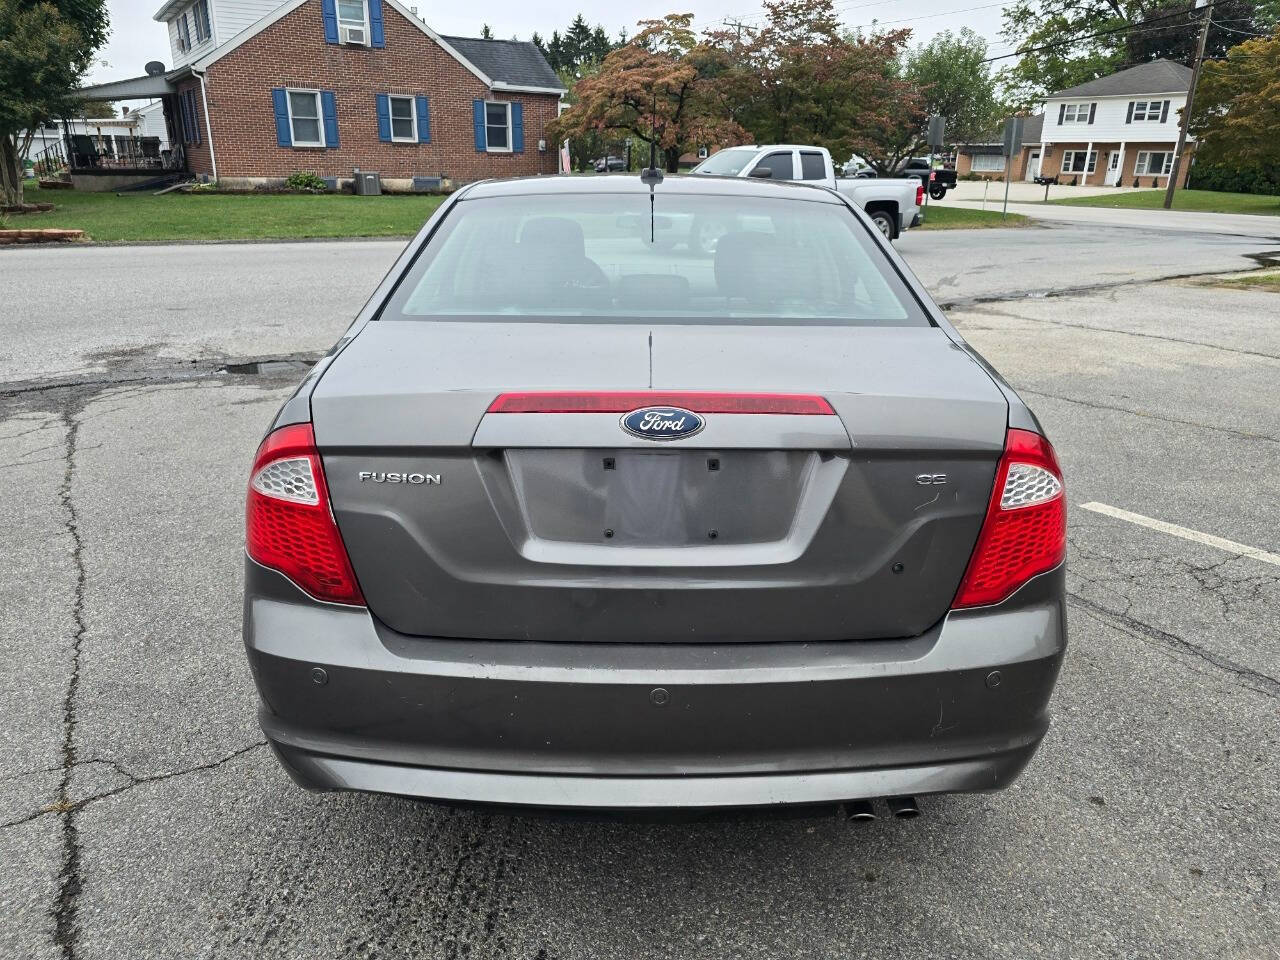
[[208, 128]]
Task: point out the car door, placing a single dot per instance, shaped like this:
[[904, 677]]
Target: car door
[[780, 163]]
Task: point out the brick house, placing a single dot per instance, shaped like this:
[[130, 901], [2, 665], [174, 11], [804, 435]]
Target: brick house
[[1118, 130], [262, 89]]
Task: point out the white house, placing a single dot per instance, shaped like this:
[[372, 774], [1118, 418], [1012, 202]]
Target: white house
[[141, 131], [1117, 130]]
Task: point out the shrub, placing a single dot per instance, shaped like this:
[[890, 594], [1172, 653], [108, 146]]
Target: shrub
[[304, 181], [1251, 178]]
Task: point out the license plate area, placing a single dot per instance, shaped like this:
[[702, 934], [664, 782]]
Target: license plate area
[[659, 498]]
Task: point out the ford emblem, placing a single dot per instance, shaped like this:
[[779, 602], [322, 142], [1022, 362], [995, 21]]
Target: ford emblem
[[662, 423]]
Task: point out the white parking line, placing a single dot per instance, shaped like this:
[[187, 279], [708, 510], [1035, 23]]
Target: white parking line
[[1186, 533]]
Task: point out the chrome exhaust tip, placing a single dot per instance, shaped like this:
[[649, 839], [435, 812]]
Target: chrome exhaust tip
[[904, 808], [859, 810]]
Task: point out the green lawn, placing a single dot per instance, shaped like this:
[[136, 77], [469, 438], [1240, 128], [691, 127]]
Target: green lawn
[[208, 217], [1203, 201], [1255, 281], [211, 217], [963, 218]]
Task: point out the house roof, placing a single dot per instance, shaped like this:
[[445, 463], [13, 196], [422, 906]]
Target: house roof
[[515, 62], [1158, 76], [1032, 131]]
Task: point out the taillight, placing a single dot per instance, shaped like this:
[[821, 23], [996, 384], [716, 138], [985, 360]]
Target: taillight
[[920, 195], [288, 523], [1025, 531]]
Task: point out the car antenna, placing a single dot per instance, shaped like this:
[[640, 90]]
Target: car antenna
[[652, 175]]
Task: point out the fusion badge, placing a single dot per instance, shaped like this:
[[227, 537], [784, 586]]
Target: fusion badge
[[662, 423]]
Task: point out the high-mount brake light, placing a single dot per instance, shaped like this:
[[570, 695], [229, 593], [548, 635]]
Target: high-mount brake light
[[1025, 530], [289, 526], [595, 401]]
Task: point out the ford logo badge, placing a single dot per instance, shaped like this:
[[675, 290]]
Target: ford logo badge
[[662, 423]]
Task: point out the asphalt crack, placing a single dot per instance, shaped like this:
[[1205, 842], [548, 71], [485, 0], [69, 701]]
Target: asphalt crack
[[1092, 404], [66, 905], [1138, 629]]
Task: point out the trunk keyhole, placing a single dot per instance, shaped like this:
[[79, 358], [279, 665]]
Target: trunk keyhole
[[713, 464], [610, 463]]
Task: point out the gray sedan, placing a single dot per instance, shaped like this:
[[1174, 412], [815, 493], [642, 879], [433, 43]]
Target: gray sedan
[[581, 514]]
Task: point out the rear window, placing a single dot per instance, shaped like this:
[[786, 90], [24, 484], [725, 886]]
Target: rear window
[[605, 258]]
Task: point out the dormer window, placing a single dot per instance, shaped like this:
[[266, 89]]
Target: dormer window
[[353, 21]]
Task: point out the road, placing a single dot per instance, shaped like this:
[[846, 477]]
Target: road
[[141, 816]]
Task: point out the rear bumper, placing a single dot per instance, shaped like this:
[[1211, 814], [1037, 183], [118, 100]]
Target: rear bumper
[[639, 726]]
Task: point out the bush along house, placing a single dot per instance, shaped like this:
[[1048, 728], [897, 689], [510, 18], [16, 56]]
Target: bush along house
[[1118, 130], [263, 89]]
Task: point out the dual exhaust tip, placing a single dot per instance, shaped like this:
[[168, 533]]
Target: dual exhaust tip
[[903, 808]]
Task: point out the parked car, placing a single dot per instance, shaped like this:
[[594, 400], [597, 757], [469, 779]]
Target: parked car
[[893, 204], [938, 180], [615, 527], [610, 164]]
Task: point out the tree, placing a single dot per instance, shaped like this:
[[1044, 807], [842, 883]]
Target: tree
[[798, 79], [1237, 106], [1133, 32], [662, 87], [951, 74], [45, 48], [485, 32], [580, 44], [97, 108]]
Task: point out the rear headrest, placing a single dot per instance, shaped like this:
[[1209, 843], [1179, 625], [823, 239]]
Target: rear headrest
[[746, 265], [558, 236]]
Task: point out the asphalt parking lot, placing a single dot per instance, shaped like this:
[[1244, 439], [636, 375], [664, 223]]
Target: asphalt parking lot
[[141, 815]]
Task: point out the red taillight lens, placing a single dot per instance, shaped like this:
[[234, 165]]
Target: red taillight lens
[[1025, 532], [920, 195], [595, 401], [288, 524]]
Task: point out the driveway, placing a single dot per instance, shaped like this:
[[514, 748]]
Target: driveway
[[142, 816]]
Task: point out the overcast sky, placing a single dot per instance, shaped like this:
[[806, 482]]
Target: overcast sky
[[136, 38]]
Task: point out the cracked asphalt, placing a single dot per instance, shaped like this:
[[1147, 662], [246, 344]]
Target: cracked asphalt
[[141, 815]]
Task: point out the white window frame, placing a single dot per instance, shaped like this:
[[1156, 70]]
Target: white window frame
[[413, 117], [997, 167], [1141, 167], [1068, 158], [1076, 113], [1151, 110], [489, 148], [197, 21], [288, 102], [363, 24]]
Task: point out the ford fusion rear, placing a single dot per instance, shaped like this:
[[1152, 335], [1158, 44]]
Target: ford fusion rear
[[630, 496]]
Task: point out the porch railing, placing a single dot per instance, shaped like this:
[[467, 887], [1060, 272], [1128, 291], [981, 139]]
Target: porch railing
[[79, 153]]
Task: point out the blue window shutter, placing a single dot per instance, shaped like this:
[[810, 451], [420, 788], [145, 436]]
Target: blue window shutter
[[329, 107], [384, 117], [195, 116], [283, 137], [477, 115], [376, 36], [330, 8], [517, 128], [424, 120]]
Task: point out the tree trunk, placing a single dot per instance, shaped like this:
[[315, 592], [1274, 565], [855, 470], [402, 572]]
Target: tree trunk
[[672, 156], [10, 171]]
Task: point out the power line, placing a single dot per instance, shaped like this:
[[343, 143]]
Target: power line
[[1131, 27]]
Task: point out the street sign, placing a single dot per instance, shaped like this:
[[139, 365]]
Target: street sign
[[937, 132], [1013, 136]]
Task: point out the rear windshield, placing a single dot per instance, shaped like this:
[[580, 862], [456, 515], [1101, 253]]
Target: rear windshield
[[726, 163], [605, 257]]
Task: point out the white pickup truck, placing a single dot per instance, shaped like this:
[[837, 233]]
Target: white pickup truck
[[894, 204]]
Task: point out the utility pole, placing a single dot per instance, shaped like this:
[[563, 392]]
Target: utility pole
[[1176, 169]]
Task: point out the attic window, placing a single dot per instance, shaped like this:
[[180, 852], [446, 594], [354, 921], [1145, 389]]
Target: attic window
[[353, 13]]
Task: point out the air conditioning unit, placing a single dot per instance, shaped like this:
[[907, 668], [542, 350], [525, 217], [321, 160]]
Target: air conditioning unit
[[355, 36]]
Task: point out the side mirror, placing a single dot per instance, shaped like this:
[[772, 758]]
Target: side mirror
[[761, 173]]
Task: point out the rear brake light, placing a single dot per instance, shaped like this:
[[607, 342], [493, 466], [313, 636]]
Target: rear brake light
[[289, 526], [590, 401], [920, 195], [1025, 530]]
